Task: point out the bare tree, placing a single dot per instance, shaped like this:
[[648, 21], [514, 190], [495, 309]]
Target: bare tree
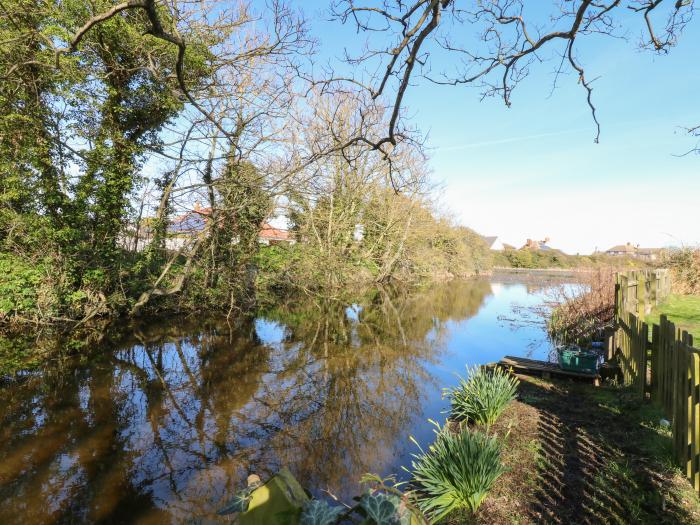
[[494, 42], [226, 150]]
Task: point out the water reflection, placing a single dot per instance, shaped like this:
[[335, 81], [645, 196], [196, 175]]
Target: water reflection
[[168, 424]]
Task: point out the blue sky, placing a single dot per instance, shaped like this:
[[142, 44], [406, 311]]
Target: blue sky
[[533, 170]]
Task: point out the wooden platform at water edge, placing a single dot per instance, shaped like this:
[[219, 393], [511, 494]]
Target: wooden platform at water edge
[[544, 369]]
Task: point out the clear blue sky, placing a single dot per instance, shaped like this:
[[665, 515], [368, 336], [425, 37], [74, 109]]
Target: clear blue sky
[[532, 170]]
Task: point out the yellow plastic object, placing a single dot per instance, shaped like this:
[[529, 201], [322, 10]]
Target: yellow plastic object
[[281, 494]]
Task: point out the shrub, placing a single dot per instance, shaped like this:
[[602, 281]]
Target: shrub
[[685, 266], [456, 472], [23, 287], [581, 313], [483, 396], [520, 258]]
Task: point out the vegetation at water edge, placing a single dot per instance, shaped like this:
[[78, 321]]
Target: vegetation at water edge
[[456, 472], [482, 396]]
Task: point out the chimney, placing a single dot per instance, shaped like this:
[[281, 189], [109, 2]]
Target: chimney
[[197, 206]]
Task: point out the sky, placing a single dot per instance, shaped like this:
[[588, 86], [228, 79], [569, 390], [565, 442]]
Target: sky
[[534, 171]]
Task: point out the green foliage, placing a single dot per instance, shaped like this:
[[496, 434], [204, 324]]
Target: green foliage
[[109, 101], [685, 266], [78, 127], [531, 258], [382, 509], [520, 258], [528, 258], [383, 504], [274, 265], [17, 353], [456, 472], [319, 512], [20, 286], [483, 396]]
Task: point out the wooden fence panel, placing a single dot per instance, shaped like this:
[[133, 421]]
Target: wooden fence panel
[[669, 338], [695, 446], [668, 366], [677, 413], [656, 362]]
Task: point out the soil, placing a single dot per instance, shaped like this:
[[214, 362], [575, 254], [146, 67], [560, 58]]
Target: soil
[[578, 454]]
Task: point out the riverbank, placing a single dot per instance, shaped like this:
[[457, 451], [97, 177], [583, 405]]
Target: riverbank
[[543, 271], [586, 455]]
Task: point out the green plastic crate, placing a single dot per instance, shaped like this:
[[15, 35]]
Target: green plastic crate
[[576, 360]]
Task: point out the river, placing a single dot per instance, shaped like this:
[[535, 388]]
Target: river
[[164, 425]]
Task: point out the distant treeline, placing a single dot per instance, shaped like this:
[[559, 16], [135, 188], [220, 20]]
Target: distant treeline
[[552, 258]]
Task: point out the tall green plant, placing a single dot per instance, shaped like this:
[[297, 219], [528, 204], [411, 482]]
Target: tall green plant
[[483, 396], [456, 472]]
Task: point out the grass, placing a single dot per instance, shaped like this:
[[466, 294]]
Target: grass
[[683, 310], [579, 454]]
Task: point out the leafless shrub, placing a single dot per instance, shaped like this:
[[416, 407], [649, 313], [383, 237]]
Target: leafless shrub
[[583, 312]]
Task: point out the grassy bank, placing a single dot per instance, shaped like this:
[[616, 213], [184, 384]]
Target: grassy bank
[[683, 310], [585, 455]]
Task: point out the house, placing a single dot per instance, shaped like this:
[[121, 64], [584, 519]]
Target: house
[[621, 250], [489, 241], [269, 235], [494, 243], [649, 254], [630, 250], [531, 244], [183, 227]]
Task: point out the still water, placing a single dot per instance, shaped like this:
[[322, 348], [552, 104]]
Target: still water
[[163, 427]]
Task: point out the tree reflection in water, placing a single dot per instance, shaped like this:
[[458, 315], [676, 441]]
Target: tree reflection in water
[[168, 425]]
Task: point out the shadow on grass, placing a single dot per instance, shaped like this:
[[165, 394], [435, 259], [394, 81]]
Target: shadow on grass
[[601, 458]]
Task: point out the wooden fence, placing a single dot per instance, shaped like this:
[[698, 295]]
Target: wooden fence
[[640, 290], [665, 366]]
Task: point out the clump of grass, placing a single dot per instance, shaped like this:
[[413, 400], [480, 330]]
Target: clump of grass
[[456, 472], [483, 396]]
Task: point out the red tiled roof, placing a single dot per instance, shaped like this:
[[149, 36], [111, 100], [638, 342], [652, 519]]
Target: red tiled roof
[[275, 234]]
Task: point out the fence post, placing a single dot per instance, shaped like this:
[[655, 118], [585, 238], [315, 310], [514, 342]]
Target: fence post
[[675, 381], [616, 317], [609, 344], [642, 342], [689, 456], [668, 350], [641, 293], [695, 388], [656, 375]]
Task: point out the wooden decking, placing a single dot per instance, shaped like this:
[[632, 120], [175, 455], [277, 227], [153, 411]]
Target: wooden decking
[[522, 365]]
